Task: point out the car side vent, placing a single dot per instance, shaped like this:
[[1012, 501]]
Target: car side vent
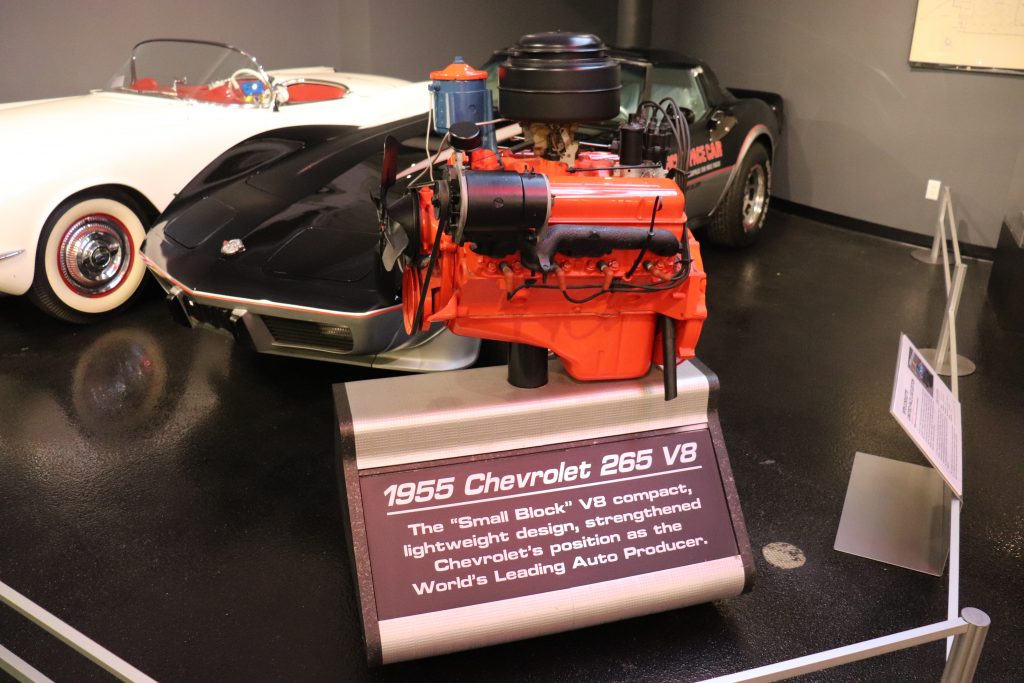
[[309, 335]]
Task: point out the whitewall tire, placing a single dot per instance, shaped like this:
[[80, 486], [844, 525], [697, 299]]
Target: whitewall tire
[[88, 265]]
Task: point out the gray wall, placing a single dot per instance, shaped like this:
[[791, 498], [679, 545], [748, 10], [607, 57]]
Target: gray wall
[[51, 48], [864, 131], [410, 38]]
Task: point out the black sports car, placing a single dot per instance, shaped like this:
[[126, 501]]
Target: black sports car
[[733, 132], [278, 243]]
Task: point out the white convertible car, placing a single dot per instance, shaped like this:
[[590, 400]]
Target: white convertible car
[[84, 177]]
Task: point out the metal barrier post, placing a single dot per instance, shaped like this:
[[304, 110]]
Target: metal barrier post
[[933, 256], [957, 366], [963, 659]]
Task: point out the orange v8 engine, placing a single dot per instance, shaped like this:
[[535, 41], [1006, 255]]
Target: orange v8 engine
[[558, 242]]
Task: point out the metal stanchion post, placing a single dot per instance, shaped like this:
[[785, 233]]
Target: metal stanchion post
[[953, 596], [963, 658], [933, 256], [941, 357], [958, 366]]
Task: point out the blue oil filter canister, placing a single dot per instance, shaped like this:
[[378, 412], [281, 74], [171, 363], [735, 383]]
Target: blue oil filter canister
[[460, 94]]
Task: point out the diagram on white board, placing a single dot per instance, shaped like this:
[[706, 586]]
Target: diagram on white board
[[969, 34], [991, 17]]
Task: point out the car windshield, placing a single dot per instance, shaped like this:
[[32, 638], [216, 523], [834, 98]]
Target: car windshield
[[193, 70], [677, 82]]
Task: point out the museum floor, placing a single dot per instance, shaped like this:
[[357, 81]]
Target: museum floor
[[174, 497]]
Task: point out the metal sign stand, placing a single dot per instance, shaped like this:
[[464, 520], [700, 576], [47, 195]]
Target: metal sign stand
[[897, 513], [952, 364]]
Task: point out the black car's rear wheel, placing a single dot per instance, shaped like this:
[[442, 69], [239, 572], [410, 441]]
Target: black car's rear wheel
[[738, 220]]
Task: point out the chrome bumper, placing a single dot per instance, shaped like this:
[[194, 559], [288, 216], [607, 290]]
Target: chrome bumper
[[11, 254]]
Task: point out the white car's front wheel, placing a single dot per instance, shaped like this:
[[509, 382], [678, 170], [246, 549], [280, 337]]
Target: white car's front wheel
[[88, 265]]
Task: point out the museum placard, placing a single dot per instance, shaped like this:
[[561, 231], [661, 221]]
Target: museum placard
[[491, 529]]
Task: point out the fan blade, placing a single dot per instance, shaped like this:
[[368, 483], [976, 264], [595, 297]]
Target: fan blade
[[395, 243]]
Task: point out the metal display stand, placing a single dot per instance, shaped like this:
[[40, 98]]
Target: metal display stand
[[475, 455], [897, 513], [951, 364]]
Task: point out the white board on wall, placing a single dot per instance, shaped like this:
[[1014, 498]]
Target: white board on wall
[[984, 35]]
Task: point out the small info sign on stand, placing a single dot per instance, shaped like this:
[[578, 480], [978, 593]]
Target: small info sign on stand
[[897, 512], [929, 413]]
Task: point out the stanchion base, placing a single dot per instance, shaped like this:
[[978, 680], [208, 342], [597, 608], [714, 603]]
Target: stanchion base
[[964, 366], [896, 513], [925, 256]]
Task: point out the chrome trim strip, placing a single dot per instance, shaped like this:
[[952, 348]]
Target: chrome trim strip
[[756, 131], [256, 304], [11, 254]]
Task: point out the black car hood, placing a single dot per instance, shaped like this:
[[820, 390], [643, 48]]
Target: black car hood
[[320, 240], [305, 219]]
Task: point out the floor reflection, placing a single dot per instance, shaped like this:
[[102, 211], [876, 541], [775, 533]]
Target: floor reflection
[[118, 381], [109, 398]]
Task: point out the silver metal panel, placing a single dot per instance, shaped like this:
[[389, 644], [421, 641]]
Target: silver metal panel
[[485, 624], [11, 254], [471, 412], [443, 351], [897, 513]]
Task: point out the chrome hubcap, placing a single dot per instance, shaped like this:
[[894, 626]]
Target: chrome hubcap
[[755, 194], [95, 255]]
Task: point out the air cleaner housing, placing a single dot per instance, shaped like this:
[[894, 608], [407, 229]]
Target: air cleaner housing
[[559, 77]]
